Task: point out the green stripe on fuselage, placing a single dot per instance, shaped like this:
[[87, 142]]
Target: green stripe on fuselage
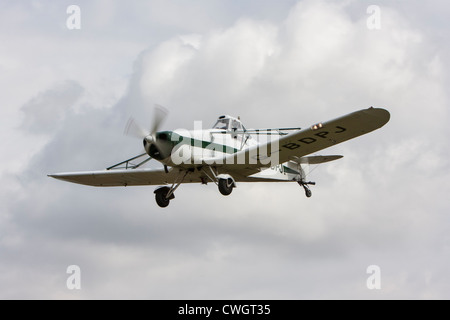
[[289, 170], [176, 139], [211, 146]]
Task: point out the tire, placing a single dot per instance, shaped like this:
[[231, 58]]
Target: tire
[[160, 197], [226, 186], [308, 193]]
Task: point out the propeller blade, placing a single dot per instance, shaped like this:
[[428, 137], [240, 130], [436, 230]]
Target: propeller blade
[[134, 129], [160, 114]]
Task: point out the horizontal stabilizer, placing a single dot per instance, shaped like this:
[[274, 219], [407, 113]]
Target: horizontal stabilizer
[[316, 159]]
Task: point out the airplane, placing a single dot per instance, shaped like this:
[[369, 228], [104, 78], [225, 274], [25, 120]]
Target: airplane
[[228, 154]]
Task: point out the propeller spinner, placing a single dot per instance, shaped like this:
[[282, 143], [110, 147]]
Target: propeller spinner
[[153, 145]]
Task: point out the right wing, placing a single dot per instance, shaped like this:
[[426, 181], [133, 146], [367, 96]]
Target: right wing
[[141, 177], [130, 177]]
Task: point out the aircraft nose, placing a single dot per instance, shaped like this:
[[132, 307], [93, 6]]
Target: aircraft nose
[[148, 139], [148, 142]]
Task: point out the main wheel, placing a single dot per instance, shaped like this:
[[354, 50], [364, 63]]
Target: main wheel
[[226, 186], [161, 197]]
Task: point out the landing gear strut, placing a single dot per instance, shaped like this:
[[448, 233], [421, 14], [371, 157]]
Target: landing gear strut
[[225, 182], [305, 186], [163, 195]]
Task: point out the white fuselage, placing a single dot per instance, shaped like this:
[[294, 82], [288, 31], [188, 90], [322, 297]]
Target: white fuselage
[[197, 146]]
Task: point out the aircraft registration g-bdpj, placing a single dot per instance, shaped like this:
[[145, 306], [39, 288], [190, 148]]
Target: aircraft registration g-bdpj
[[228, 154]]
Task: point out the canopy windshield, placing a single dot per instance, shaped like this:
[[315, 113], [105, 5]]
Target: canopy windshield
[[222, 124]]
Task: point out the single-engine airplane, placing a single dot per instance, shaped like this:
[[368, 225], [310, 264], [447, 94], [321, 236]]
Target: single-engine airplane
[[228, 154]]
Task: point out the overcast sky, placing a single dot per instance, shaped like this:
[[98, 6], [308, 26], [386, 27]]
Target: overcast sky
[[66, 97]]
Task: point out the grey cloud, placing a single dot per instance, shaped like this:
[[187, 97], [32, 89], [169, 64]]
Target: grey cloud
[[44, 113], [381, 204]]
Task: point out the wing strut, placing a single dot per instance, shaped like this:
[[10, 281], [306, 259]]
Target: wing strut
[[128, 164]]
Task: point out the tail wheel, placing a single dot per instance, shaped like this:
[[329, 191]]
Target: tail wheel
[[308, 193], [305, 186], [226, 186]]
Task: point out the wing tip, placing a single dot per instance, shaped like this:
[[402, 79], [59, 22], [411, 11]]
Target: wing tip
[[382, 114]]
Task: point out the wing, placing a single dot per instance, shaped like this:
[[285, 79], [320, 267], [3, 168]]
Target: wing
[[307, 141], [130, 177]]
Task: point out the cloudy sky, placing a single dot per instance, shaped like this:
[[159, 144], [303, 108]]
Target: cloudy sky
[[67, 94]]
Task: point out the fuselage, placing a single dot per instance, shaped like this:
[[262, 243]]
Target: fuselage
[[195, 148], [186, 147]]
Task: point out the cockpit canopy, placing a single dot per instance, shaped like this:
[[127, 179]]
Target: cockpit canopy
[[228, 123]]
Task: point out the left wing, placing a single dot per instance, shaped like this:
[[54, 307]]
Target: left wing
[[307, 141]]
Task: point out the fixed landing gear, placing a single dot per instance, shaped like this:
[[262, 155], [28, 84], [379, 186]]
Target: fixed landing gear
[[161, 196], [305, 186], [225, 182], [226, 186]]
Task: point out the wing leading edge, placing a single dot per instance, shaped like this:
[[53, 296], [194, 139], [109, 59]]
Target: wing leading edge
[[116, 178]]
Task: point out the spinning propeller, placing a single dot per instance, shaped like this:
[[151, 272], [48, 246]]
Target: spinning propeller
[[149, 137]]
